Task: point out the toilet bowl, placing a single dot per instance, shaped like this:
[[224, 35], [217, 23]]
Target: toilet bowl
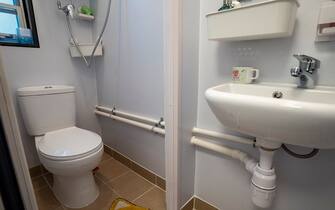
[[68, 152], [71, 154]]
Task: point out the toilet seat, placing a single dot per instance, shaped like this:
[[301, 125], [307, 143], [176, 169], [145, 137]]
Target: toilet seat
[[68, 144]]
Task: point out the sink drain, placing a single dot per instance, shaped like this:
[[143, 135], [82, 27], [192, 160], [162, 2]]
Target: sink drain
[[277, 94]]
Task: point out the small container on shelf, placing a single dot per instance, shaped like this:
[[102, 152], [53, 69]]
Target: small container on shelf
[[85, 17], [85, 13]]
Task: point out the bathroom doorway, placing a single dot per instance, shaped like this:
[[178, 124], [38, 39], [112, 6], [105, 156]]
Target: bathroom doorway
[[10, 193]]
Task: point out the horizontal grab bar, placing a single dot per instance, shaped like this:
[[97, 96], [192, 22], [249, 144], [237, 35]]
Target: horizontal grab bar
[[131, 116], [158, 126], [142, 125]]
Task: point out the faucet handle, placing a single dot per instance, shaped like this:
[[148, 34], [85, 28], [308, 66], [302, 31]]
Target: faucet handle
[[296, 72], [307, 63]]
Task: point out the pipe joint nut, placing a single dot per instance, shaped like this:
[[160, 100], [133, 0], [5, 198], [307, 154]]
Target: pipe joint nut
[[263, 186], [264, 178], [262, 198]]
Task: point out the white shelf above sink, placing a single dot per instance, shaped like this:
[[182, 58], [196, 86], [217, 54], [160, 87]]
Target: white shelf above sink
[[262, 20]]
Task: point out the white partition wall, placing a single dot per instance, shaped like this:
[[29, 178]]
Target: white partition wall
[[189, 93], [130, 77]]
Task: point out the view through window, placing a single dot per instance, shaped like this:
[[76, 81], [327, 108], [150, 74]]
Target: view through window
[[17, 23]]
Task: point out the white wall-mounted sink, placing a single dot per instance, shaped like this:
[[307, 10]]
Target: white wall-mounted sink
[[304, 117]]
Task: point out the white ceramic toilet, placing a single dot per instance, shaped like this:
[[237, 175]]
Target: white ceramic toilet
[[68, 152]]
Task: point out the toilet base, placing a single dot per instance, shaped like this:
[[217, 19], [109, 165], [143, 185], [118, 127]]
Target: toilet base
[[75, 191]]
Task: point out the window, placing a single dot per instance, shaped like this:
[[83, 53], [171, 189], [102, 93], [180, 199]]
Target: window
[[17, 23]]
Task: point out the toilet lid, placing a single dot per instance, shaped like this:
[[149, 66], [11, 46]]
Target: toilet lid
[[69, 143]]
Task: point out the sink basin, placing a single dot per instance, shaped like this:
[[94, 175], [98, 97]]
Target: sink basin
[[304, 117]]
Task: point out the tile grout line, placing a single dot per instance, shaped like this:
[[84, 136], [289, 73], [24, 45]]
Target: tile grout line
[[129, 171], [42, 188], [48, 186], [112, 179], [39, 176], [47, 181], [110, 157], [121, 175], [154, 184], [125, 172], [153, 187], [132, 161], [160, 188], [104, 183], [110, 188]]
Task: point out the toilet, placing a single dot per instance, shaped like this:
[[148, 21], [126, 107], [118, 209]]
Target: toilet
[[68, 152]]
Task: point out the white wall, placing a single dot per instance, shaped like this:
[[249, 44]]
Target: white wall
[[189, 95], [130, 77], [302, 184], [51, 64]]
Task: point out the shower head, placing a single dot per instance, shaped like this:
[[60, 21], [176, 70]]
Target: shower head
[[67, 9]]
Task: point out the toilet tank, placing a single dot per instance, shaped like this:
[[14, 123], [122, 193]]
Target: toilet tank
[[47, 108]]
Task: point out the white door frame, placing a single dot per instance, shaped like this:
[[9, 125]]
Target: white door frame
[[14, 143], [172, 68]]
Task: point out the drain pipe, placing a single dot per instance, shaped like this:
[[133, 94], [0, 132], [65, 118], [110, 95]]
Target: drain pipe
[[249, 162], [263, 181]]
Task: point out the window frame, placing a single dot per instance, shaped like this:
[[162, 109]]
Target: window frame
[[26, 18]]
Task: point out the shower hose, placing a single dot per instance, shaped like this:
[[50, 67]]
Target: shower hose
[[89, 62]]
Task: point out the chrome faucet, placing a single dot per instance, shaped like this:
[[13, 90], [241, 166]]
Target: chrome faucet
[[67, 9], [305, 72]]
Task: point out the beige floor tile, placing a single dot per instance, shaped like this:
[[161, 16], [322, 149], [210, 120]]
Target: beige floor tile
[[104, 201], [111, 169], [46, 199], [106, 156], [201, 205], [35, 171], [125, 183], [50, 179], [130, 185], [39, 183], [154, 199], [189, 205]]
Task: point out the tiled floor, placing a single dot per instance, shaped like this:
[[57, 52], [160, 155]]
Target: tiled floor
[[114, 180]]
